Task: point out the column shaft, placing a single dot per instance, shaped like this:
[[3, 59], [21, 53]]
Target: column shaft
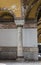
[[20, 43]]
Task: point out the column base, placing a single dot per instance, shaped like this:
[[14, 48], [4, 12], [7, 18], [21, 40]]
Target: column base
[[20, 58]]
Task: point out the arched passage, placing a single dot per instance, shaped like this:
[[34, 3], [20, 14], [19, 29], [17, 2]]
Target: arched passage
[[39, 26], [39, 29], [8, 52]]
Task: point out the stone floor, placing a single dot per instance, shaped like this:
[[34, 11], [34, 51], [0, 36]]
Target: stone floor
[[20, 63]]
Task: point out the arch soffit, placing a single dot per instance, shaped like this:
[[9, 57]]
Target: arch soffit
[[37, 12]]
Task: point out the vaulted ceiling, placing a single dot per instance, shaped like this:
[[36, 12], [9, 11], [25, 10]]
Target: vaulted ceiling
[[31, 7], [14, 5]]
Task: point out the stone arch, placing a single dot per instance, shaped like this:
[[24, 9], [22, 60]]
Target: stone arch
[[37, 12], [6, 15], [39, 24]]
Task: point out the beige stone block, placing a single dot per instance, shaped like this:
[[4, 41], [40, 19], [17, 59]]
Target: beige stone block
[[34, 49]]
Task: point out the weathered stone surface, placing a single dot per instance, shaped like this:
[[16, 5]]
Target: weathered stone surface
[[31, 53], [8, 53], [11, 25]]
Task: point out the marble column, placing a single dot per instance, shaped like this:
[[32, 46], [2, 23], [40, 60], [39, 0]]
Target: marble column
[[20, 42], [19, 23]]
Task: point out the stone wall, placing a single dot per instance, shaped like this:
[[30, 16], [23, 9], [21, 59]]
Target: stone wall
[[30, 53], [8, 53]]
